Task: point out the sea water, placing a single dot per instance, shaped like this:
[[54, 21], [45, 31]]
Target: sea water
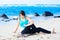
[[15, 10]]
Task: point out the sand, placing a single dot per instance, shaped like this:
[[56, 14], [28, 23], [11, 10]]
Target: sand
[[7, 28]]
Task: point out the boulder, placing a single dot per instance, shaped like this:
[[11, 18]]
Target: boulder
[[56, 16], [4, 16], [15, 18], [36, 14], [47, 13]]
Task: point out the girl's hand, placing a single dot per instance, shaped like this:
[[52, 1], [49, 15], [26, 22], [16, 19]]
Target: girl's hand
[[14, 32]]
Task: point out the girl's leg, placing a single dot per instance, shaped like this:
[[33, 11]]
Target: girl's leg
[[43, 30], [29, 30]]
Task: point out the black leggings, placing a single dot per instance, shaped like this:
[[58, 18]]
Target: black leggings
[[32, 30]]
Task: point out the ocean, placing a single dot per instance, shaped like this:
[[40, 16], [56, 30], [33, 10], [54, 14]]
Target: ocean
[[14, 10]]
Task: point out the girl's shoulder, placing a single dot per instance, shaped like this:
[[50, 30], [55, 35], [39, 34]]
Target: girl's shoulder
[[27, 17]]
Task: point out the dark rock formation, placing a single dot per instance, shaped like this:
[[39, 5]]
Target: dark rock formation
[[56, 16], [15, 19], [4, 16], [36, 14], [47, 13]]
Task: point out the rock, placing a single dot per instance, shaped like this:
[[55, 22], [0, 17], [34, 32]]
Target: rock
[[47, 13], [7, 20], [56, 16], [2, 20], [15, 18], [36, 14], [4, 16]]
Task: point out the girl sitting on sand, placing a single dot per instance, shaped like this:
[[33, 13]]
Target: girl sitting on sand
[[27, 26]]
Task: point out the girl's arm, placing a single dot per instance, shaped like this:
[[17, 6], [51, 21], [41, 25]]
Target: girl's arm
[[17, 25], [30, 21]]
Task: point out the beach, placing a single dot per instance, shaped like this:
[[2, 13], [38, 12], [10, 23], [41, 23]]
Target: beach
[[44, 13], [7, 28]]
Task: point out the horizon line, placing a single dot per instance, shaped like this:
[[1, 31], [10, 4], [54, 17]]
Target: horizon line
[[45, 5]]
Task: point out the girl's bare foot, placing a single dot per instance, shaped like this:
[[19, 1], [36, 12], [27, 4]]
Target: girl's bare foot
[[53, 32]]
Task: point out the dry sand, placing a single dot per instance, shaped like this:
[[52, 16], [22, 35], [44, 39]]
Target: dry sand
[[7, 28]]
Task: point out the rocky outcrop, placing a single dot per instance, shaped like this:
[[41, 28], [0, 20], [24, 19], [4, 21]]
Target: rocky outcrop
[[36, 14], [56, 16], [4, 16], [47, 13]]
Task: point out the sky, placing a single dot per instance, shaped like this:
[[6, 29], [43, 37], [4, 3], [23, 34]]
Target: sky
[[29, 1]]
